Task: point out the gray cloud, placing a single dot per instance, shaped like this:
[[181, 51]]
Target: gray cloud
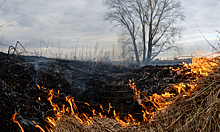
[[66, 21]]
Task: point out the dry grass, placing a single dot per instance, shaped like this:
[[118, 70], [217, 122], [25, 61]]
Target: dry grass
[[198, 111], [71, 124]]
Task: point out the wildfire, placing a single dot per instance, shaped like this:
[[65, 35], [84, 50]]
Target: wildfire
[[200, 67]]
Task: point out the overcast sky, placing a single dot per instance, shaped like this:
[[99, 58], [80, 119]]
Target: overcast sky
[[61, 24]]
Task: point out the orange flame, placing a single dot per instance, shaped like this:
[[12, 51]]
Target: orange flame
[[38, 86], [116, 116], [130, 118], [158, 102], [73, 106], [101, 108], [13, 118], [39, 98], [87, 104], [109, 108], [135, 90], [56, 108], [37, 126], [198, 68], [51, 121]]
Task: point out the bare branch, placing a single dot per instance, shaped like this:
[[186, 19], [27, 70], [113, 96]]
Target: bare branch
[[10, 21], [2, 3], [204, 36]]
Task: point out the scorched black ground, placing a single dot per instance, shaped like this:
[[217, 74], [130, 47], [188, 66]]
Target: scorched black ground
[[96, 83]]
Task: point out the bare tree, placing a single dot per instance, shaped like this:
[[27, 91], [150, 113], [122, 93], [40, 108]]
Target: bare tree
[[124, 16], [140, 10], [156, 17], [162, 15]]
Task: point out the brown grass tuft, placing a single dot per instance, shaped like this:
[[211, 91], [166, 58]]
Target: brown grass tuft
[[199, 112]]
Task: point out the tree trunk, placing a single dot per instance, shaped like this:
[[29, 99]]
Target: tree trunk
[[149, 52], [135, 49], [144, 43]]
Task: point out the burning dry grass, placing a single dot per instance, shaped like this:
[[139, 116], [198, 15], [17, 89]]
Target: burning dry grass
[[190, 105], [71, 124], [196, 110]]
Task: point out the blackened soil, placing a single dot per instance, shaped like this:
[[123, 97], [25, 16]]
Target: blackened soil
[[96, 83]]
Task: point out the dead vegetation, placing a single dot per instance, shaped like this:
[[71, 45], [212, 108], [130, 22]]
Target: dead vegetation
[[199, 111], [71, 124]]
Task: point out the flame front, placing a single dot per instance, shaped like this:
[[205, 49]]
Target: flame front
[[200, 67]]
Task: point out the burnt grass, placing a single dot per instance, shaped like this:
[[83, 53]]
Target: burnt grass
[[96, 83]]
